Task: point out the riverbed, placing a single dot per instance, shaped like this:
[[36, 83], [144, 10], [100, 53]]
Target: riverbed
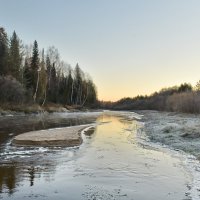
[[112, 163]]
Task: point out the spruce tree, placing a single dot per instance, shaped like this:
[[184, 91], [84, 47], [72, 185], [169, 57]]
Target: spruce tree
[[3, 52], [69, 87], [78, 84], [42, 81], [53, 85], [91, 94], [14, 57], [34, 67], [27, 75]]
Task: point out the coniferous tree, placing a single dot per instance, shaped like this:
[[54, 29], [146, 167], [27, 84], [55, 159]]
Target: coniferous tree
[[62, 90], [69, 88], [52, 91], [42, 81], [48, 66], [35, 69], [92, 93], [15, 56], [27, 75], [78, 83], [3, 52]]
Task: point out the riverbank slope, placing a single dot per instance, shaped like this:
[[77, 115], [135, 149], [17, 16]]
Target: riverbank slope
[[177, 130]]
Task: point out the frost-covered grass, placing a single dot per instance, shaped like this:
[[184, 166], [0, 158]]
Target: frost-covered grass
[[180, 131]]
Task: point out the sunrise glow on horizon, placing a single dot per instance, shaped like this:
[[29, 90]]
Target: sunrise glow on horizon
[[128, 47]]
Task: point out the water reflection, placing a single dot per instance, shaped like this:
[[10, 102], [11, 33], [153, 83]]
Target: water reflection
[[109, 165], [32, 175], [8, 179], [13, 125], [18, 164]]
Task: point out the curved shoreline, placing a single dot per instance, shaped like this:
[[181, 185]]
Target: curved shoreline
[[177, 130], [154, 133], [68, 137], [110, 144]]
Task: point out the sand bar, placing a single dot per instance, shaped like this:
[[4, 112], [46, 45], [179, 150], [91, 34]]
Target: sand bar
[[69, 136]]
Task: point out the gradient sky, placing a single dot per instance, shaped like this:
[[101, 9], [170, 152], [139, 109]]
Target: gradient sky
[[129, 47]]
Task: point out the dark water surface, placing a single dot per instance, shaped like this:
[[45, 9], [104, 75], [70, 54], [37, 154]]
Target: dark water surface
[[110, 164]]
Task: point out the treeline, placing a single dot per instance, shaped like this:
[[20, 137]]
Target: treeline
[[31, 75], [183, 98]]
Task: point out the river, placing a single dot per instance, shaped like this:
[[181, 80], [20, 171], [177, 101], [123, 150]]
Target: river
[[111, 164]]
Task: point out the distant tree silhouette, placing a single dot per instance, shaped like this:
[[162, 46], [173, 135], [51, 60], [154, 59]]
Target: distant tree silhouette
[[197, 87], [3, 52], [185, 87]]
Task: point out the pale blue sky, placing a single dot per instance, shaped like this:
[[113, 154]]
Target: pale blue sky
[[129, 47]]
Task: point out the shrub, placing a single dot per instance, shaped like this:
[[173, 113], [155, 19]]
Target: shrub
[[11, 90]]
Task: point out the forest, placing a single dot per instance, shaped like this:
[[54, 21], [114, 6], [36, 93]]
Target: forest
[[29, 75], [183, 98], [33, 76]]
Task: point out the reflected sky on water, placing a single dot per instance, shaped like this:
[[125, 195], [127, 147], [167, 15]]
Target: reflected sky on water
[[110, 164]]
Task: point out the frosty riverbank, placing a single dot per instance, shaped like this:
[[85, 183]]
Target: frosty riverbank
[[177, 130]]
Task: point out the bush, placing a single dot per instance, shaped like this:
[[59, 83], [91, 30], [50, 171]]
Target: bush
[[11, 90]]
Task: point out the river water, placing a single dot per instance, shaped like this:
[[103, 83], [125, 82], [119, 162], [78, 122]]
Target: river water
[[111, 164]]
